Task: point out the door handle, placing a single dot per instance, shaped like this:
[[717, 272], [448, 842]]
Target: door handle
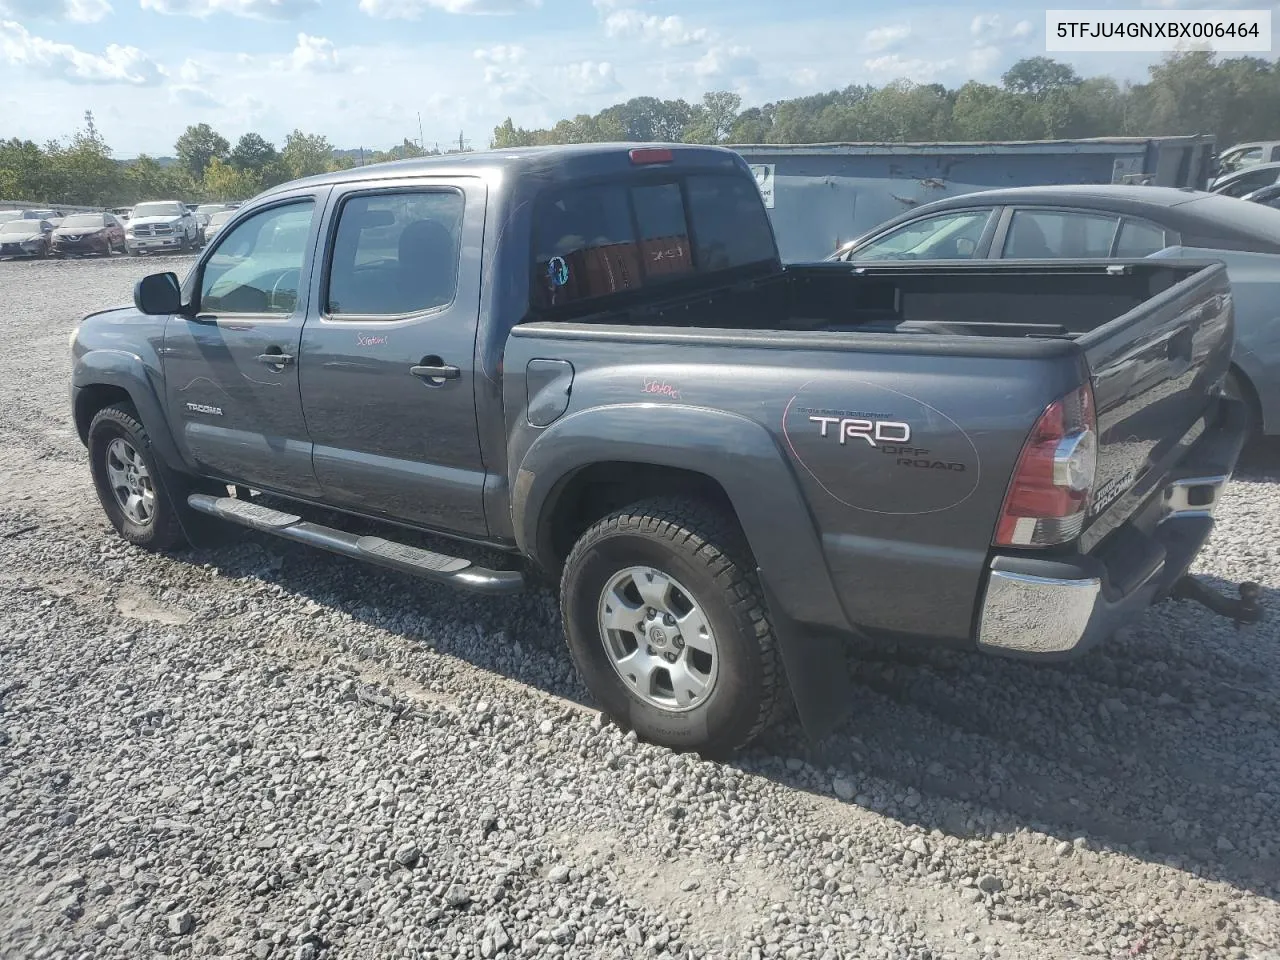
[[443, 371], [275, 359]]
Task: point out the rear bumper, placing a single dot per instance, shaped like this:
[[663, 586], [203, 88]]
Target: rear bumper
[[1058, 607]]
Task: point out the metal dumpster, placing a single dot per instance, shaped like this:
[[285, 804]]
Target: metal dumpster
[[822, 195]]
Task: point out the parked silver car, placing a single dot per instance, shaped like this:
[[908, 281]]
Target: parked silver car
[[1106, 221]]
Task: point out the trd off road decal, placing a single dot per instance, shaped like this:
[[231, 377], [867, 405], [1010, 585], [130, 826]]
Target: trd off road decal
[[875, 449]]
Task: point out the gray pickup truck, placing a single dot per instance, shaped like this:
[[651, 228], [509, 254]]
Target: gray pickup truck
[[590, 360]]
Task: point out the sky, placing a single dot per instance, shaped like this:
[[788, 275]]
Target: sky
[[361, 72]]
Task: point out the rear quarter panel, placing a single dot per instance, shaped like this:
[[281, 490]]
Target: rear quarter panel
[[900, 453]]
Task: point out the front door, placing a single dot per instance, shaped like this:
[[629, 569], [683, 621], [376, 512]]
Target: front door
[[231, 368], [388, 353]]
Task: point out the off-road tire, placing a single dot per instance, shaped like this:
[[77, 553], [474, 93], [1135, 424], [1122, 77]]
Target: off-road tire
[[705, 550], [164, 530]]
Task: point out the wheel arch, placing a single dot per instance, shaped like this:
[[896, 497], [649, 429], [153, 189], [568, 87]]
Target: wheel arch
[[647, 450], [104, 377]]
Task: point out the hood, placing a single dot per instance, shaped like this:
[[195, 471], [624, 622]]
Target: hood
[[20, 237], [162, 221], [77, 231]]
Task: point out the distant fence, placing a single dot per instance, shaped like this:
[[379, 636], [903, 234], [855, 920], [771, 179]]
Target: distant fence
[[34, 205]]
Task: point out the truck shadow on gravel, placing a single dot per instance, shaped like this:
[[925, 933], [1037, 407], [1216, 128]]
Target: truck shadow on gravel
[[1163, 743]]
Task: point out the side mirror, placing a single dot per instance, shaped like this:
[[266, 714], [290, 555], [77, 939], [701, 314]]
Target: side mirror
[[158, 294]]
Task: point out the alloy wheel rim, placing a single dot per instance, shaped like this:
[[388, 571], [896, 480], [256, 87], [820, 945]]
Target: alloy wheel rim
[[658, 638]]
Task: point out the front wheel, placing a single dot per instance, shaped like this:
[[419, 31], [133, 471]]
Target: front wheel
[[129, 482], [667, 626]]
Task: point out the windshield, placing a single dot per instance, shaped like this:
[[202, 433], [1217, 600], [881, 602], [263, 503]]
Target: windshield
[[85, 220], [21, 226], [157, 210], [209, 208], [218, 219]]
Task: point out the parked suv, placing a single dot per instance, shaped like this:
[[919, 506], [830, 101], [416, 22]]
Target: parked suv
[[161, 225]]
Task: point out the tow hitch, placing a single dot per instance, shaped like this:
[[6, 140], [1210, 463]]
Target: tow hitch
[[1245, 609]]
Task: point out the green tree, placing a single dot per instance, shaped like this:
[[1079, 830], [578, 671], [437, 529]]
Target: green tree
[[82, 171], [253, 152], [1036, 77], [712, 120], [223, 182], [199, 144], [147, 179], [306, 154], [24, 174], [648, 119]]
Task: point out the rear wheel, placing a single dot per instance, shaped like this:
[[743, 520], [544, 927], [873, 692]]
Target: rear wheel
[[667, 626], [131, 486]]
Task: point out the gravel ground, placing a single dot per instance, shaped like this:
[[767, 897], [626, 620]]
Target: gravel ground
[[259, 751]]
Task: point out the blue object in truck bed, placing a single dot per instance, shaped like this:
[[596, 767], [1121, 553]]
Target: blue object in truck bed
[[822, 195]]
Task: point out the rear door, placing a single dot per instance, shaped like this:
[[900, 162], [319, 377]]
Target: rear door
[[387, 358], [231, 372]]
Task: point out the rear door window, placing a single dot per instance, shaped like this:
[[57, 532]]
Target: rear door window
[[395, 253], [1138, 239], [1059, 235], [596, 240]]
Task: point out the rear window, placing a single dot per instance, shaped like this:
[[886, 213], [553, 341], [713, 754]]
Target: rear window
[[594, 241]]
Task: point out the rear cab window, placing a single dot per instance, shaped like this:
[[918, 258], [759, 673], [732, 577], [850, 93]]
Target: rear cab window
[[596, 241]]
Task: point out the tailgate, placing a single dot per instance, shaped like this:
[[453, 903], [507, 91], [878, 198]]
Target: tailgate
[[1156, 371]]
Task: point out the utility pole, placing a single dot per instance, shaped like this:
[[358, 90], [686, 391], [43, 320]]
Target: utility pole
[[422, 144]]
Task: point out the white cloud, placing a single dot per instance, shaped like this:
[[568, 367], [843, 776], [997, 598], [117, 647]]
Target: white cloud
[[413, 9], [117, 64], [894, 67], [671, 31], [194, 97], [74, 11], [254, 9], [990, 28], [590, 77], [726, 63], [316, 54], [502, 53], [192, 72], [885, 38]]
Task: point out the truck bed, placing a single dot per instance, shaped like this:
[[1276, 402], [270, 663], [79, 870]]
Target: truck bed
[[970, 356], [1006, 299]]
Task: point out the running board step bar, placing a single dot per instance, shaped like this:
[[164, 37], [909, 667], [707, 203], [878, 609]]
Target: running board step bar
[[454, 571]]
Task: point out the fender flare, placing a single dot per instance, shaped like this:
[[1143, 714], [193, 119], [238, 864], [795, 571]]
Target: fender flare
[[740, 455], [737, 453], [128, 372]]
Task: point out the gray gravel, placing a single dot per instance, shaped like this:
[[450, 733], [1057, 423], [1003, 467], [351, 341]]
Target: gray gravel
[[259, 751]]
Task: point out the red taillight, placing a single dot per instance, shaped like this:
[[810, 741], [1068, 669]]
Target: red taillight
[[1053, 481], [651, 155]]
